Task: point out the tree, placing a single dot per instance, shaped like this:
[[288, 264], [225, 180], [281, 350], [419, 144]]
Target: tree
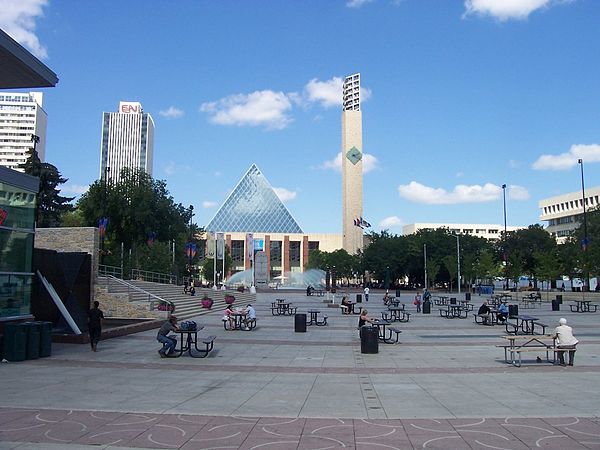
[[51, 205]]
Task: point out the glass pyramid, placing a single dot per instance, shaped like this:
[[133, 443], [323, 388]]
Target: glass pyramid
[[253, 207]]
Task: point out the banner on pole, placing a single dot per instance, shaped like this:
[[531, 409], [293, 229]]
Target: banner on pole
[[259, 245], [220, 245], [210, 244], [250, 246]]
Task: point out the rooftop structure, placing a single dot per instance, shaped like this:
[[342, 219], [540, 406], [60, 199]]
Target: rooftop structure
[[564, 213], [487, 231]]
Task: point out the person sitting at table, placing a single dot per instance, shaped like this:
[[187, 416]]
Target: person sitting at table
[[309, 290], [565, 339], [167, 341], [228, 317], [249, 315], [345, 305], [502, 312], [387, 300], [484, 312], [364, 318]]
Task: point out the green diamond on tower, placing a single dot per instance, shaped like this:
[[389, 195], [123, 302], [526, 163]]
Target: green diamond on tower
[[354, 155]]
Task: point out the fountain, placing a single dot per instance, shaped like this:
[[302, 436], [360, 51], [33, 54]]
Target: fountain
[[289, 280]]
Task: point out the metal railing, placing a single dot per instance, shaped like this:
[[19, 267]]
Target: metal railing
[[155, 277], [153, 300], [114, 271]]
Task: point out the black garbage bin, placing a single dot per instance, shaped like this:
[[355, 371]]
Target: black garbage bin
[[300, 323], [15, 342], [426, 308], [33, 339], [559, 299], [358, 298], [555, 305], [369, 339], [467, 296], [398, 292], [45, 339], [513, 310]]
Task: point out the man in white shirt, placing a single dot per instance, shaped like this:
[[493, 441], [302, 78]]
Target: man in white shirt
[[366, 293], [249, 315], [565, 339]]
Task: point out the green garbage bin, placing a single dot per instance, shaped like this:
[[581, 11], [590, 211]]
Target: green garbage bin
[[45, 339], [15, 342], [33, 339]]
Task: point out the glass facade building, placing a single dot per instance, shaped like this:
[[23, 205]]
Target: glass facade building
[[253, 207], [18, 196]]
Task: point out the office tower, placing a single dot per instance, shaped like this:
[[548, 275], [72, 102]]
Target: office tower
[[127, 141], [352, 165], [21, 118]]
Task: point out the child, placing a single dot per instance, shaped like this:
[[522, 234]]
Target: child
[[417, 302]]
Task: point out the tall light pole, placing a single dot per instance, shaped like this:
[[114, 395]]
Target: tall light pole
[[458, 259], [584, 241], [504, 253], [190, 244], [425, 263]]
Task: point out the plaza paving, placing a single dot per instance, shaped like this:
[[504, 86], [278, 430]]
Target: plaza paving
[[445, 386]]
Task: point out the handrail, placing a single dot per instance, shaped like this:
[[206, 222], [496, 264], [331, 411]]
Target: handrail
[[138, 289], [103, 269], [156, 277]]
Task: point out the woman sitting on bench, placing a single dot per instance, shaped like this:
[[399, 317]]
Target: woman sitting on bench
[[346, 306]]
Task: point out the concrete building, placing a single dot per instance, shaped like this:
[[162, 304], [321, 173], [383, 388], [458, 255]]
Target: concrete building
[[352, 166], [564, 213], [21, 117], [127, 141], [487, 231]]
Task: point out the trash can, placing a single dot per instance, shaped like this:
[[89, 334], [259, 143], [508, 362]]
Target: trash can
[[300, 323], [555, 305], [559, 299], [15, 342], [467, 296], [33, 339], [398, 292], [369, 339], [426, 308], [513, 310], [45, 339], [358, 298]]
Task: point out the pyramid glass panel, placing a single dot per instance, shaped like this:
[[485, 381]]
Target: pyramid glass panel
[[253, 206]]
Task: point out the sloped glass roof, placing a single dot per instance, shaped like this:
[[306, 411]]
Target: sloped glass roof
[[253, 207]]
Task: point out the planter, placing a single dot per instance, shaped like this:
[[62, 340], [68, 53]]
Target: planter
[[229, 299], [206, 303]]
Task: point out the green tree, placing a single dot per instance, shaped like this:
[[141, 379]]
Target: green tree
[[51, 205]]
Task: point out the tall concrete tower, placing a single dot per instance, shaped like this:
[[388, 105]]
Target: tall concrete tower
[[352, 165]]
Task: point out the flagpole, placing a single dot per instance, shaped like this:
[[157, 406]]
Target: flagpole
[[223, 261]]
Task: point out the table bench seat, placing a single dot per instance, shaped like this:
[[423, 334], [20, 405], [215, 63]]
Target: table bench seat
[[543, 325], [397, 331]]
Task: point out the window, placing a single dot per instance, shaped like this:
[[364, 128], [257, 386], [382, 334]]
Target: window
[[237, 253], [294, 253], [275, 253]]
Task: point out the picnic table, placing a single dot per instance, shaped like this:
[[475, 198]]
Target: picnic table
[[523, 344], [525, 323], [187, 338], [454, 311], [281, 309], [385, 334], [396, 314], [583, 306], [441, 300], [314, 318]]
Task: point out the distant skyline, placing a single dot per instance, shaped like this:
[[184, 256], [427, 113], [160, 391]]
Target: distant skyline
[[459, 97]]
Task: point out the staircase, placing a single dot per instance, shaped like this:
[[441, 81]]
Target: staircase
[[186, 306]]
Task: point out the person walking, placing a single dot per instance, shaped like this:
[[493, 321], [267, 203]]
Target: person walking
[[95, 319], [417, 302], [565, 340], [366, 292]]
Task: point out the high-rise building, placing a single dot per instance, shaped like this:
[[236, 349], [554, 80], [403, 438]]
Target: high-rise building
[[127, 141], [352, 165], [21, 118]]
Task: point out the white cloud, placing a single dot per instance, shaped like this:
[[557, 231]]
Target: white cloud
[[75, 189], [327, 93], [513, 163], [172, 112], [564, 161], [370, 163], [17, 19], [259, 108], [391, 222], [207, 204], [357, 3], [171, 168], [284, 194], [517, 193], [506, 9], [419, 193]]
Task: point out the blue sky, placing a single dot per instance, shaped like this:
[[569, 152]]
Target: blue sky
[[462, 97]]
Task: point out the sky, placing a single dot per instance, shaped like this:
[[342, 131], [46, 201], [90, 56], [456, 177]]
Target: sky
[[459, 98]]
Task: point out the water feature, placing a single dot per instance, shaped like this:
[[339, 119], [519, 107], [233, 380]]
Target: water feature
[[289, 280]]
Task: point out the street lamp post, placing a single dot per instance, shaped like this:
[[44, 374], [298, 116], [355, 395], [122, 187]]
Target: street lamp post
[[504, 254], [584, 242], [458, 259], [190, 244]]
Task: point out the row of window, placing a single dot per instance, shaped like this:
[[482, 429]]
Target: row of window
[[570, 205], [16, 98]]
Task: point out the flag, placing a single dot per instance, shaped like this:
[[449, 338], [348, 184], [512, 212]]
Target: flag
[[584, 243], [210, 244], [250, 246], [220, 245], [190, 250], [102, 225], [364, 223]]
